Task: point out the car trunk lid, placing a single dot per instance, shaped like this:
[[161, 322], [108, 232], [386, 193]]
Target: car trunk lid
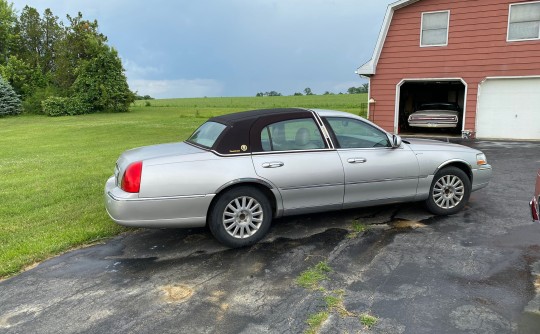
[[152, 152]]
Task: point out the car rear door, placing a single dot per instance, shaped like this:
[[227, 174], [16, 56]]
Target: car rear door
[[297, 159], [374, 171]]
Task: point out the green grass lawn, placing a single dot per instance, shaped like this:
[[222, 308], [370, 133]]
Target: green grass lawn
[[52, 170]]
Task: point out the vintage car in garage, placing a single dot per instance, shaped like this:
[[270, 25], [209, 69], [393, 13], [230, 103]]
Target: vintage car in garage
[[239, 171], [435, 115], [535, 202]]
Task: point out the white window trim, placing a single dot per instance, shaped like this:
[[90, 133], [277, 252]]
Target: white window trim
[[447, 29], [508, 25]]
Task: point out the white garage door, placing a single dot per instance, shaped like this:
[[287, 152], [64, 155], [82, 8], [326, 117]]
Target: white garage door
[[509, 108]]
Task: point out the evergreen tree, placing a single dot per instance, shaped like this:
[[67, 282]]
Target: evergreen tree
[[81, 42], [53, 32], [10, 104], [28, 28]]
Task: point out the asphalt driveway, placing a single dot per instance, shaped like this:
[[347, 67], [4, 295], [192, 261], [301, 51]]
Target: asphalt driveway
[[474, 272]]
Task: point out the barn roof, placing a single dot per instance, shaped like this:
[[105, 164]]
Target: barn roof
[[369, 68]]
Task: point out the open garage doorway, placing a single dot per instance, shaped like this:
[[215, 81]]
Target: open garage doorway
[[437, 106]]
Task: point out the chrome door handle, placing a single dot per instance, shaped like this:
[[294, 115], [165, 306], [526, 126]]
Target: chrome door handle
[[357, 160], [273, 164]]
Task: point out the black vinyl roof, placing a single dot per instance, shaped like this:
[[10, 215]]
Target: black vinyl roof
[[231, 119], [242, 134]]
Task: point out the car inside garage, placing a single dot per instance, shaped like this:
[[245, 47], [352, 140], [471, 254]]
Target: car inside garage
[[431, 107], [509, 108]]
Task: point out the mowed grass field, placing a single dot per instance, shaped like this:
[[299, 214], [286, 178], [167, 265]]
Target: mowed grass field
[[52, 170]]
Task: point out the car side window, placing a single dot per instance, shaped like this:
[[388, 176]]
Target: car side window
[[352, 133], [292, 135]]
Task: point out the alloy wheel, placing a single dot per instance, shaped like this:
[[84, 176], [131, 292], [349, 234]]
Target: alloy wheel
[[243, 217], [448, 191]]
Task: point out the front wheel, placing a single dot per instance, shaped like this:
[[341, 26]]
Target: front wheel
[[240, 217], [449, 192]]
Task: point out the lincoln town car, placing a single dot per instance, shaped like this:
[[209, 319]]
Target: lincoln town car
[[238, 172]]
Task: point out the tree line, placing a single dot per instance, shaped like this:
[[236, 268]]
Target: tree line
[[56, 68], [307, 91]]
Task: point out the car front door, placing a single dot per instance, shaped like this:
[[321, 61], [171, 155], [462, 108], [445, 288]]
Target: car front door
[[375, 172], [297, 159]]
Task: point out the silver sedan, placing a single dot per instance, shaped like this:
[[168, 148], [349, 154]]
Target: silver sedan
[[239, 171]]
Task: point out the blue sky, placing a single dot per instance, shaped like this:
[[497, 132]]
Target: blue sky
[[188, 48]]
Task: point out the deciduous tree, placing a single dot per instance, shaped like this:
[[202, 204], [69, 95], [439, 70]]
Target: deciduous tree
[[23, 77], [101, 83], [7, 30]]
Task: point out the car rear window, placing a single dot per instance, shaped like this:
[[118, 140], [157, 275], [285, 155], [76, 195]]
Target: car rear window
[[207, 134]]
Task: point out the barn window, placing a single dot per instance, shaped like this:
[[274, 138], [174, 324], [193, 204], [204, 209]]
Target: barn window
[[435, 28], [524, 21]]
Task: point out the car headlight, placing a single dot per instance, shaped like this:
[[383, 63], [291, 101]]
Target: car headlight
[[481, 159]]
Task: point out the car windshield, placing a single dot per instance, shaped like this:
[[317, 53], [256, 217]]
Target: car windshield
[[207, 134], [438, 106]]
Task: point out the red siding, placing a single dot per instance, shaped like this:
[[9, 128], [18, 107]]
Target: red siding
[[477, 48]]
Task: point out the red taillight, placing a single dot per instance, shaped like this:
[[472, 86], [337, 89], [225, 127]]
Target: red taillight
[[131, 182]]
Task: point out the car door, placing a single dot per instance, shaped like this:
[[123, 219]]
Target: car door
[[297, 159], [374, 171]]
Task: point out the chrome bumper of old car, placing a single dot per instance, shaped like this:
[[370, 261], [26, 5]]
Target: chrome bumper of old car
[[433, 124], [180, 211]]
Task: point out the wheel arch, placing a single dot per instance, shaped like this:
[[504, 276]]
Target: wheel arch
[[265, 187], [460, 164]]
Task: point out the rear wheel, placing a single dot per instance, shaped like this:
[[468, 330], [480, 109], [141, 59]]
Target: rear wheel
[[240, 217], [449, 192]]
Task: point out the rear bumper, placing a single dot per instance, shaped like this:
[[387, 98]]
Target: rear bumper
[[432, 124], [535, 210], [180, 212]]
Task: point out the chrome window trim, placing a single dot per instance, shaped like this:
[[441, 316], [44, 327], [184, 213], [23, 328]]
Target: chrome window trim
[[295, 151], [388, 136], [323, 129]]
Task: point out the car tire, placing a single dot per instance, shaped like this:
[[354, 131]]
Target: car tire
[[240, 217], [449, 191]]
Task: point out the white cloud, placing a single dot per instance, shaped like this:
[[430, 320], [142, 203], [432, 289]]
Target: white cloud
[[177, 88], [134, 71]]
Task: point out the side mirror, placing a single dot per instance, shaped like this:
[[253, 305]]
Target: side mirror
[[396, 141]]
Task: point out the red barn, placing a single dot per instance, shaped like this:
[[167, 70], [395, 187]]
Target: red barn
[[483, 55]]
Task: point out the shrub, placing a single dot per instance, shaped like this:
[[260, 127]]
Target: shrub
[[10, 103], [33, 103], [63, 106]]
